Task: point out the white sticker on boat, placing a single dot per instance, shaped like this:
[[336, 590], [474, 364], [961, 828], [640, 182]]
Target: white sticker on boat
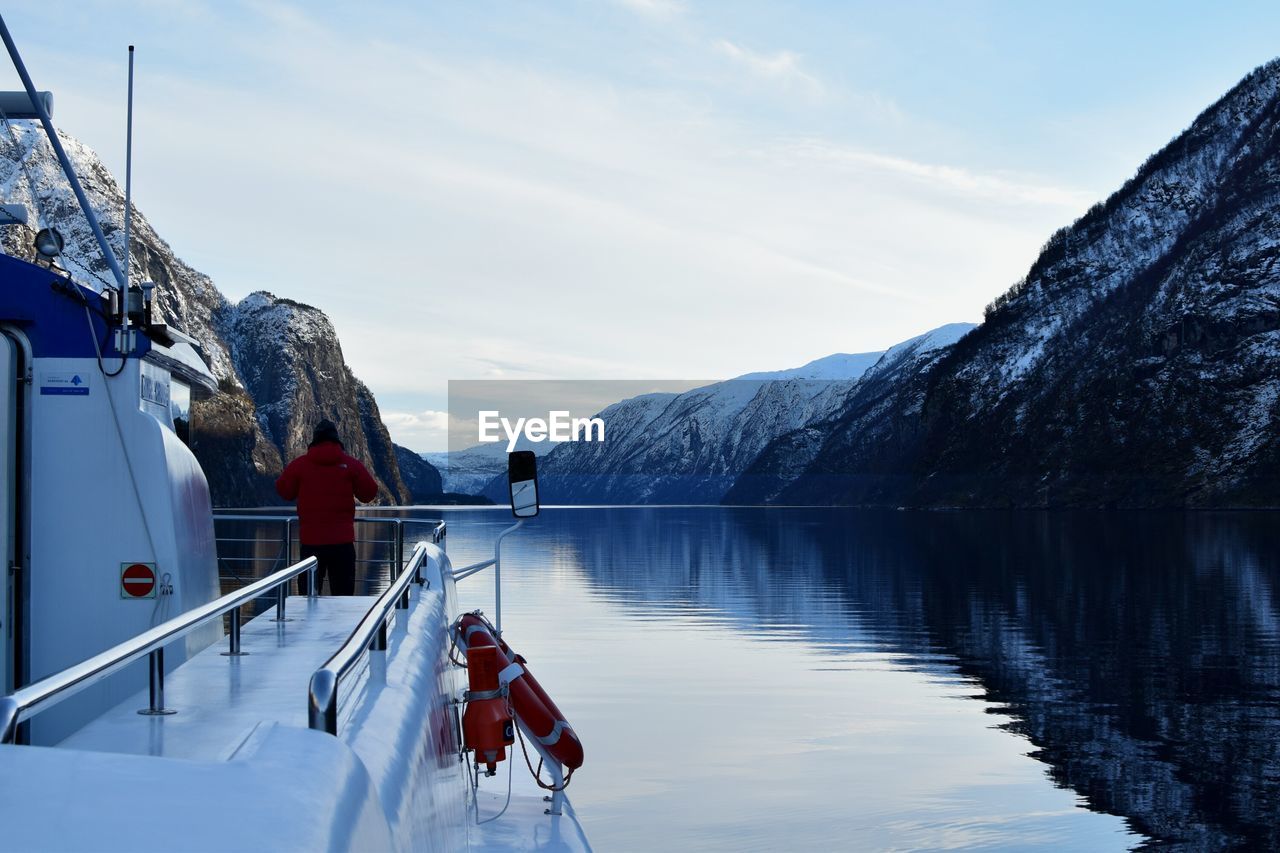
[[65, 384], [155, 386]]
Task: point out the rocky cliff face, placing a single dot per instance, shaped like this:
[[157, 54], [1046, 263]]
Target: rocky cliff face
[[420, 476], [288, 356], [1135, 365], [278, 363]]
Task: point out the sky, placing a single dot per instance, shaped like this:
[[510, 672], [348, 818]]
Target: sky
[[626, 189]]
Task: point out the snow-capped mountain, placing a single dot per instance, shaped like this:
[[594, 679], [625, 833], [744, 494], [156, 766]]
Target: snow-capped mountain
[[469, 471], [841, 365], [278, 362], [873, 399], [692, 447], [1136, 364]]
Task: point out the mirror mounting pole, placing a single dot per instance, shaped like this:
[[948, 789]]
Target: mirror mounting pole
[[497, 575], [522, 481]]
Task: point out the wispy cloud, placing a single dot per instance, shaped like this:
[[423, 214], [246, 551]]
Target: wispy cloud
[[979, 185], [426, 429], [625, 224], [782, 67], [658, 10]]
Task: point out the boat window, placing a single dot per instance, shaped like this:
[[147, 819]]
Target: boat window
[[180, 409]]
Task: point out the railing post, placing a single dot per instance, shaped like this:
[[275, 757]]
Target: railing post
[[8, 719], [402, 603], [322, 702], [399, 545], [155, 662], [282, 592], [417, 572], [497, 576], [393, 564], [234, 635], [557, 781], [380, 638]]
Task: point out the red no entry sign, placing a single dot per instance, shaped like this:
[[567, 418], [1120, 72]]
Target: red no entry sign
[[137, 580]]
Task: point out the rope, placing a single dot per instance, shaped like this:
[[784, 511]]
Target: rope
[[453, 644], [97, 349], [537, 774]]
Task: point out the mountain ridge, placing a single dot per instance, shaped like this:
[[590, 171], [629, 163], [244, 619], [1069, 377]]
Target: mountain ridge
[[1134, 365], [692, 447]]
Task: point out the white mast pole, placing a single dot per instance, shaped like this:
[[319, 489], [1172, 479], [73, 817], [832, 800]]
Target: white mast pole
[[128, 189]]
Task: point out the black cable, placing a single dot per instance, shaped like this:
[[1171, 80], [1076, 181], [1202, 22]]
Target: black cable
[[97, 347]]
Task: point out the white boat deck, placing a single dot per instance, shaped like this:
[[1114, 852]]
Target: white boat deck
[[220, 700], [226, 707]]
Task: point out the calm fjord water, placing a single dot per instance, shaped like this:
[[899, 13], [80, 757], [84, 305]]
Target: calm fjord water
[[840, 679]]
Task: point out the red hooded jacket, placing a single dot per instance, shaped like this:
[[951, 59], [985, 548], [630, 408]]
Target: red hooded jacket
[[325, 482]]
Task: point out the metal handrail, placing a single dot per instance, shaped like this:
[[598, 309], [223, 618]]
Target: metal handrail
[[221, 515], [496, 563], [370, 634], [438, 533], [25, 703], [467, 571]]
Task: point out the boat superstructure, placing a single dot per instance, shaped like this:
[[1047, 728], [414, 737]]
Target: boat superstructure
[[144, 704]]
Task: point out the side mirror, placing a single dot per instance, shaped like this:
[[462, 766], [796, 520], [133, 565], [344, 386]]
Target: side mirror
[[522, 476]]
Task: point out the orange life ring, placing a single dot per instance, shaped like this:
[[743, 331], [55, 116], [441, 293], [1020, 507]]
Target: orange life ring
[[529, 701]]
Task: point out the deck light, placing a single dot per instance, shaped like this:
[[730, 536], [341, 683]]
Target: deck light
[[49, 243]]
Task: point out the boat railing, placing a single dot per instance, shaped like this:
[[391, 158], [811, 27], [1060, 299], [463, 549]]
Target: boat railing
[[25, 703], [369, 635], [28, 701], [288, 542]]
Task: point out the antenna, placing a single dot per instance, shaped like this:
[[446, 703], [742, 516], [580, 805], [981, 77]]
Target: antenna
[[124, 335], [128, 170]]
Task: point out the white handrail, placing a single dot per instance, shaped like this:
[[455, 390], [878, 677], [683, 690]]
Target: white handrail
[[371, 633], [25, 703]]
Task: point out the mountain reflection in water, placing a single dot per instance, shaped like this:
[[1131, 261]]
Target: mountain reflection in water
[[785, 678]]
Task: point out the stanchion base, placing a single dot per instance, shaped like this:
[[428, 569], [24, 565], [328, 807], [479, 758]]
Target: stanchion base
[[163, 712], [233, 654]]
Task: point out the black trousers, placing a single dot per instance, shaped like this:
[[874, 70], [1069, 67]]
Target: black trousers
[[336, 561]]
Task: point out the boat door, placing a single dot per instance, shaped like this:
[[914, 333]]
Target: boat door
[[9, 362]]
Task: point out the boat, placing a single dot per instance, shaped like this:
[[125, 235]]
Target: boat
[[144, 706]]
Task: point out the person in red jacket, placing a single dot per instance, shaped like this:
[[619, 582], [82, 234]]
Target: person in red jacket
[[326, 483]]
